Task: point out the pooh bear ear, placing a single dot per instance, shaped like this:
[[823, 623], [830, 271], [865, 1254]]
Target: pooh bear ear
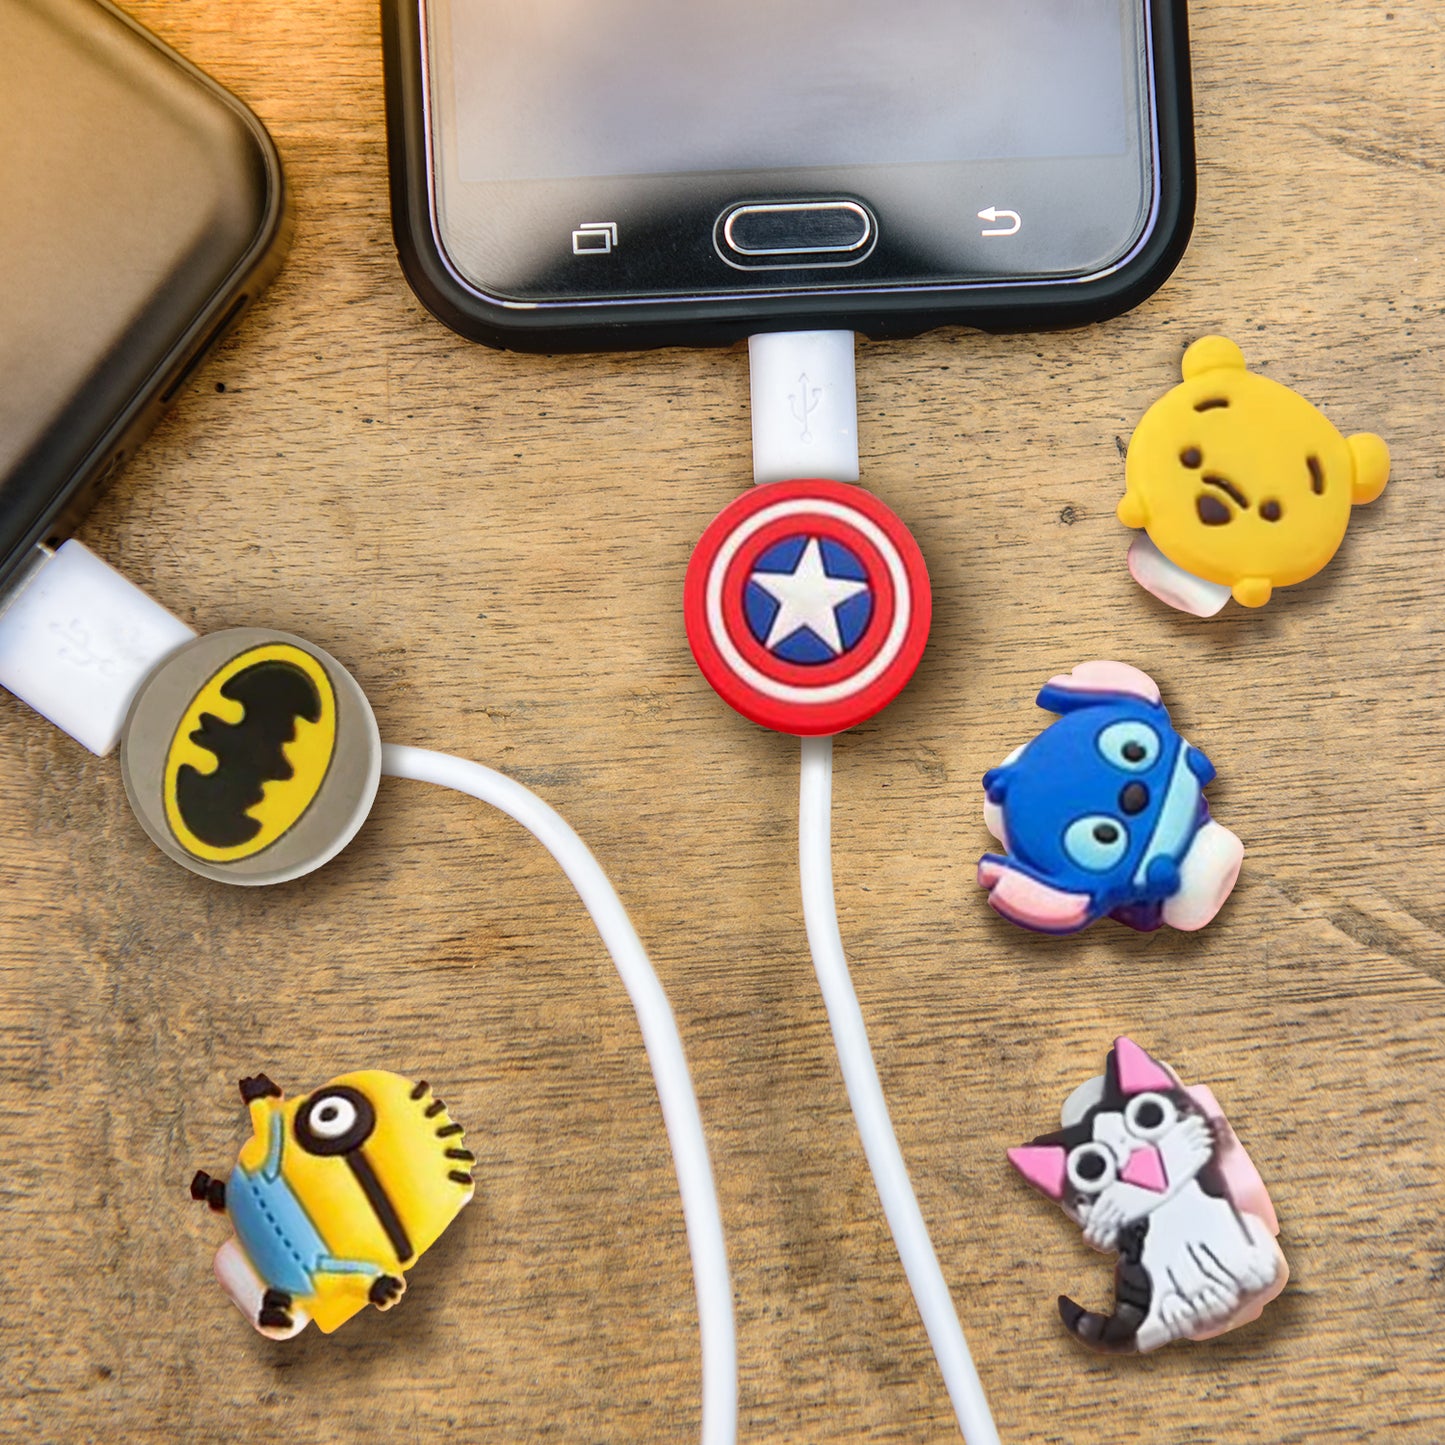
[[1212, 353], [1372, 467]]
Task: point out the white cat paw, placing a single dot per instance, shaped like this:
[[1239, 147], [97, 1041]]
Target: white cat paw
[[1107, 1216], [1260, 1267], [1177, 1313], [1189, 1147], [1214, 1303], [1258, 1271]]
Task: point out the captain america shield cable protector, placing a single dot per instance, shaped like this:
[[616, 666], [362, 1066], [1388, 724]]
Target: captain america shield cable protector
[[807, 606]]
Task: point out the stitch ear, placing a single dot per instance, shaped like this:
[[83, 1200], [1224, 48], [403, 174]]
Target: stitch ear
[[1025, 900], [1136, 1071], [1046, 1168], [1091, 683]]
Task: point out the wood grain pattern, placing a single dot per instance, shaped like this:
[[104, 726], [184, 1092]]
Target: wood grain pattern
[[496, 544]]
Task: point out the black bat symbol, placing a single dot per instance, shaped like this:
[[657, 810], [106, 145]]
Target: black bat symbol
[[248, 753]]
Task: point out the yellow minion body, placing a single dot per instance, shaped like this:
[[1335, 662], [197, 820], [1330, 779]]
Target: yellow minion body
[[334, 1196], [1242, 482]]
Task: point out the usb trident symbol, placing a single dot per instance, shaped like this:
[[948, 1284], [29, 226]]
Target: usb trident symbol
[[803, 403], [76, 647]]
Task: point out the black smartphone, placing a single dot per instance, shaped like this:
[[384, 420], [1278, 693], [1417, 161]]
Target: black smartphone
[[141, 210], [580, 174]]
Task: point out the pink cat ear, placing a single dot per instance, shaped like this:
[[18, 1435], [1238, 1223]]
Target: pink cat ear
[[1137, 1072], [1045, 1166]]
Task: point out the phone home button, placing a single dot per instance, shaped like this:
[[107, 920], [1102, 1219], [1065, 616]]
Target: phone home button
[[770, 234]]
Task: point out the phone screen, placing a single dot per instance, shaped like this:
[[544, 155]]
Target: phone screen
[[585, 148], [564, 88]]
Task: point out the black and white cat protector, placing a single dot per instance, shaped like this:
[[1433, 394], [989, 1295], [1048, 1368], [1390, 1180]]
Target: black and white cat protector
[[1151, 1170]]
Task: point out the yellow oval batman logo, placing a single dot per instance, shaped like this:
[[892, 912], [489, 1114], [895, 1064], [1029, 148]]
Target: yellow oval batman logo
[[251, 753]]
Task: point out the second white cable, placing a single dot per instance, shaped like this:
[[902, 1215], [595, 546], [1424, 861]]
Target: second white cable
[[664, 1052]]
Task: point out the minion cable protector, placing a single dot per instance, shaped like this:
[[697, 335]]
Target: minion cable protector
[[252, 757]]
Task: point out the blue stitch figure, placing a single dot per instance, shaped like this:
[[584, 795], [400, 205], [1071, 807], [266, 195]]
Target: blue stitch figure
[[1104, 813]]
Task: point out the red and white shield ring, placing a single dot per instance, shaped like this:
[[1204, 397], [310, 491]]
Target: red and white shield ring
[[807, 606]]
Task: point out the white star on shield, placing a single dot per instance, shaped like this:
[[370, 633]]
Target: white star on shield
[[807, 597]]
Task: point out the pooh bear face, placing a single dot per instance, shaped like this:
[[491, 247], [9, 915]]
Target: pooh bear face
[[1242, 482]]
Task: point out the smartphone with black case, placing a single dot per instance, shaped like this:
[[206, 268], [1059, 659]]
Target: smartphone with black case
[[141, 210], [588, 174]]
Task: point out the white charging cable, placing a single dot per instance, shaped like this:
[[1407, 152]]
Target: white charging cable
[[865, 1094], [805, 425], [664, 1052], [77, 642]]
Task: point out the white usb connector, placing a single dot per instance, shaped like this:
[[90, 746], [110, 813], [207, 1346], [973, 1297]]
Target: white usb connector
[[805, 406], [77, 640]]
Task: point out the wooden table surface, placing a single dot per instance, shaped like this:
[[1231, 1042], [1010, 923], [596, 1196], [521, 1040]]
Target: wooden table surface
[[495, 544]]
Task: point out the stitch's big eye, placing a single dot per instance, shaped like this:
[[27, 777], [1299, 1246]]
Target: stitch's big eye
[[1092, 1169], [1132, 746], [1150, 1116], [1097, 843]]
